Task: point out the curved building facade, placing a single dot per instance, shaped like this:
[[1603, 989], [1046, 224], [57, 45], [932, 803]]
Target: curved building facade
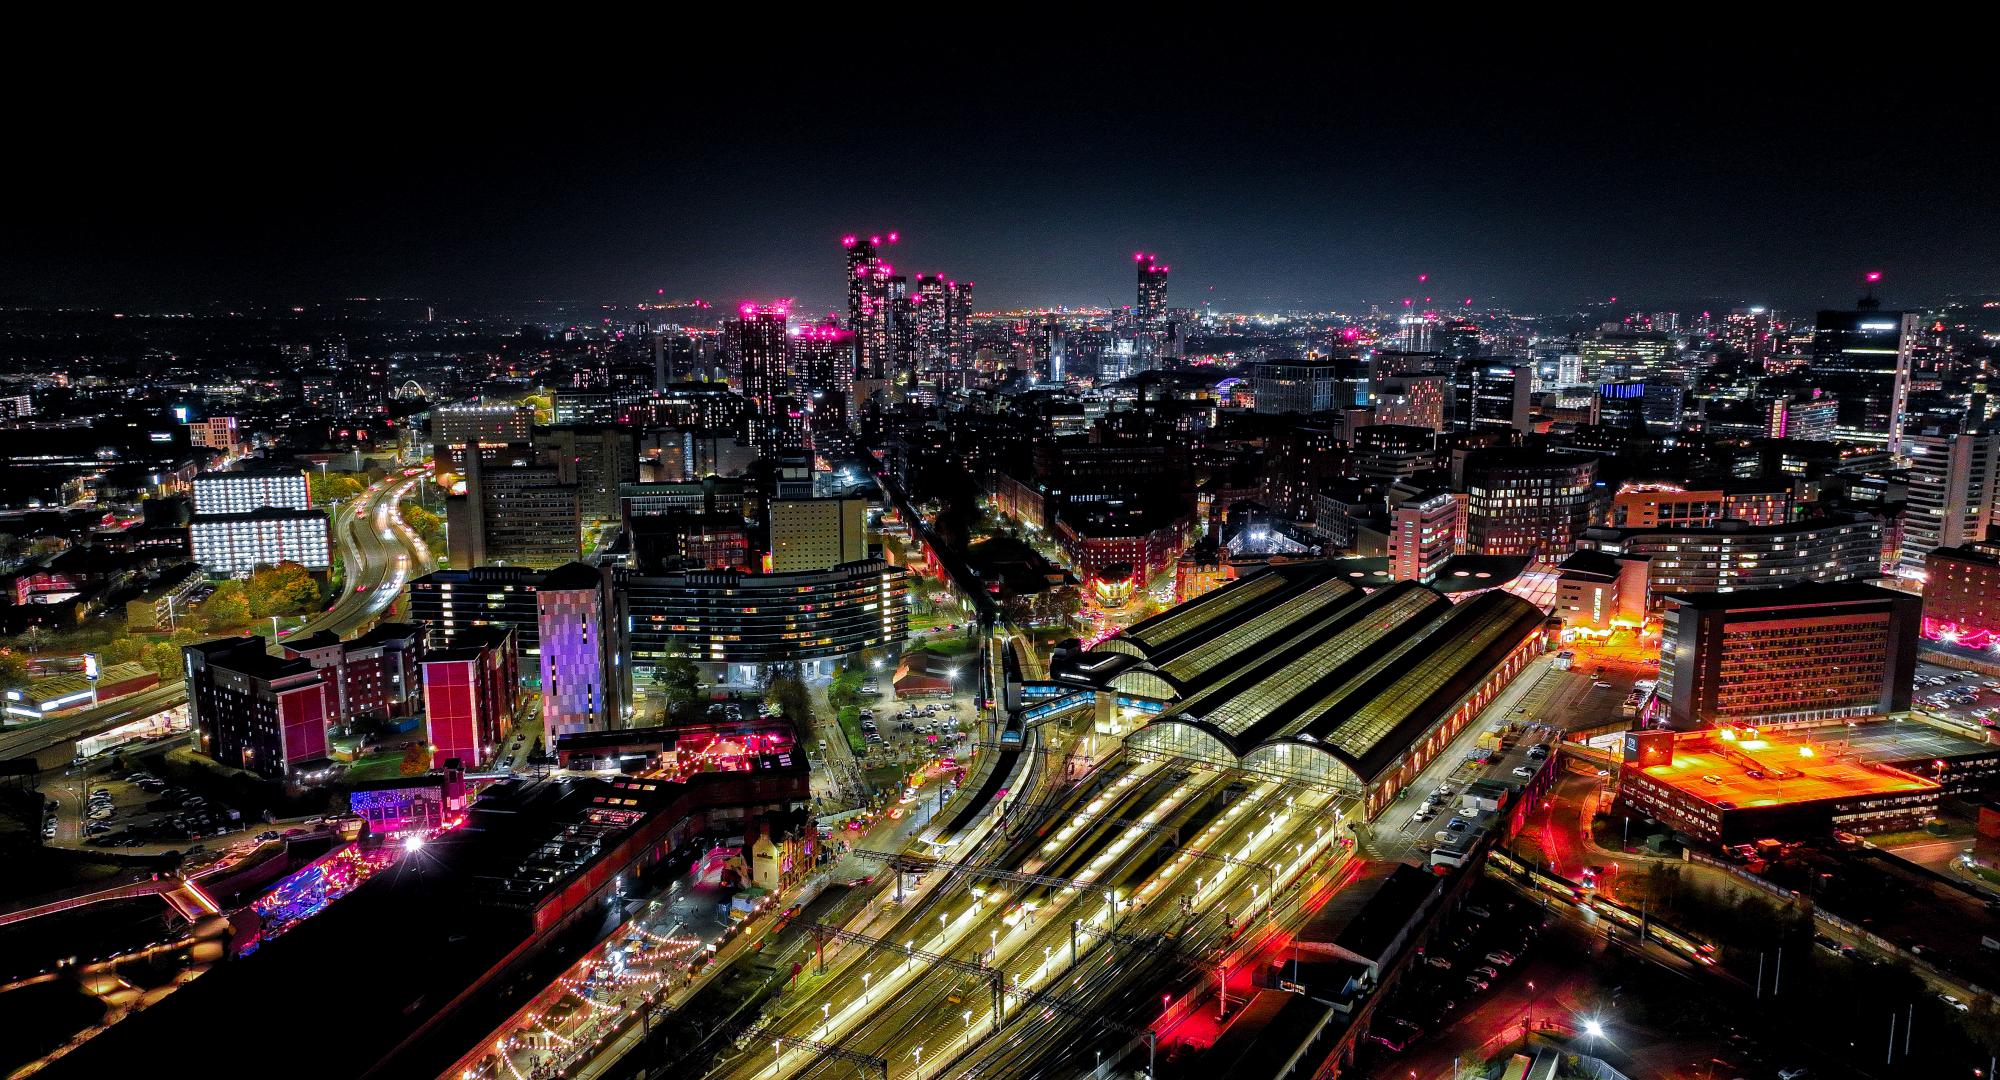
[[747, 622]]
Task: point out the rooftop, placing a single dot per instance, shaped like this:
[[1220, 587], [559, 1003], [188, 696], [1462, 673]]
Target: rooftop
[[1734, 772], [1805, 595]]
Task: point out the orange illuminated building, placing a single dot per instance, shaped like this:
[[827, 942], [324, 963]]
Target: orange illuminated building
[[1666, 505], [1727, 786]]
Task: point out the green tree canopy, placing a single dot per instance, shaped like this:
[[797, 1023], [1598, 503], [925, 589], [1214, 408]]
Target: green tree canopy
[[284, 589], [228, 608]]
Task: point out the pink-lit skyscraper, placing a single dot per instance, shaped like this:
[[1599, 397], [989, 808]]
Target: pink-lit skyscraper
[[872, 293], [763, 355], [1152, 306], [823, 380]]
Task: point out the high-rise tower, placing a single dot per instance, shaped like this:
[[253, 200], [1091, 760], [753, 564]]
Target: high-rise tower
[[762, 351], [1152, 306]]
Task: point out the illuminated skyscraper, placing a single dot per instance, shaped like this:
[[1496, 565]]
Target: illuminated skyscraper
[[872, 294], [1863, 358], [958, 323], [762, 352], [823, 380], [1152, 306]]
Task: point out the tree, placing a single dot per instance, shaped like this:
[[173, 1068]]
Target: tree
[[123, 650], [787, 693], [228, 608], [284, 589], [678, 677], [332, 487], [34, 639], [416, 759], [165, 660], [428, 526], [13, 669]]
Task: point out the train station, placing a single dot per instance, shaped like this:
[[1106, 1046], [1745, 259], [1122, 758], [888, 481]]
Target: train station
[[1301, 675]]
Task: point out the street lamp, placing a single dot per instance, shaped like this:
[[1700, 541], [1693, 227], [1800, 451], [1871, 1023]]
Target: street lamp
[[865, 976], [825, 1014], [966, 1038]]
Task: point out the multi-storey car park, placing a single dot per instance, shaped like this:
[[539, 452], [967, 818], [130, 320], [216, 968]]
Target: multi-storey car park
[[1285, 707]]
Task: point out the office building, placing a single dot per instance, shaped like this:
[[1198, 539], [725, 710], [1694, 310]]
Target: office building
[[1670, 505], [1292, 386], [741, 624], [817, 534], [471, 688], [1863, 358], [1810, 417], [1616, 357], [1527, 502], [1413, 400], [1790, 655], [518, 515], [216, 432], [596, 459], [493, 428], [1732, 554], [254, 711], [1423, 533], [451, 603], [1492, 394], [232, 545], [1950, 493], [250, 489], [586, 682]]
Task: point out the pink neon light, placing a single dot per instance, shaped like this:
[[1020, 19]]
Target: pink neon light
[[1423, 277], [1951, 633], [1874, 275], [893, 237]]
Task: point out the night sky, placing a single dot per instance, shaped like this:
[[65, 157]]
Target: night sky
[[1035, 170]]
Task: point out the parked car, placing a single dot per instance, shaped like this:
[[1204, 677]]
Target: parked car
[[1500, 959]]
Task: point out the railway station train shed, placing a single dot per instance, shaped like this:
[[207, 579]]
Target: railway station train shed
[[1299, 673]]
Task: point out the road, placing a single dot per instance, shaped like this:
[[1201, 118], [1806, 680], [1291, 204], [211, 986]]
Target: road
[[378, 551]]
